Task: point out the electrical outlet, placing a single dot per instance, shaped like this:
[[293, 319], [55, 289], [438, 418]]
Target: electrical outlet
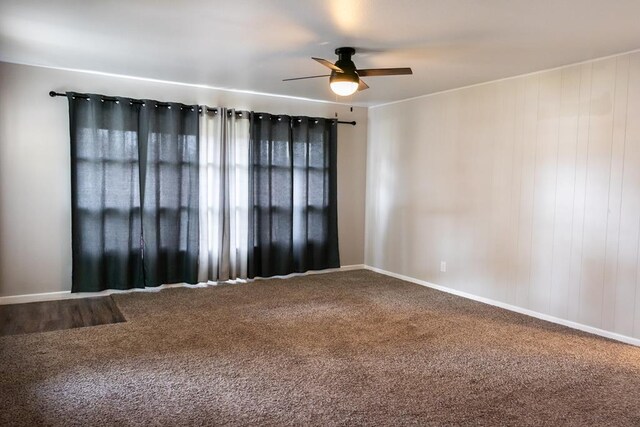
[[443, 266]]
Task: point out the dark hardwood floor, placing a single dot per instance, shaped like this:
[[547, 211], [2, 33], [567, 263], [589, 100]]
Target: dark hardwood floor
[[55, 315]]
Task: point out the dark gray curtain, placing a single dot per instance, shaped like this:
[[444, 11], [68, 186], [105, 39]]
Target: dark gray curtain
[[293, 206], [134, 187]]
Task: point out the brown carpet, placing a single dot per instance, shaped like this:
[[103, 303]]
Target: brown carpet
[[351, 348], [47, 316]]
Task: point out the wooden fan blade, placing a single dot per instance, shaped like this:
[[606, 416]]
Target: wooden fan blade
[[308, 77], [328, 64], [362, 85], [372, 72]]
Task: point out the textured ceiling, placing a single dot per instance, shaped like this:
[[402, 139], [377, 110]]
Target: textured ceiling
[[254, 44]]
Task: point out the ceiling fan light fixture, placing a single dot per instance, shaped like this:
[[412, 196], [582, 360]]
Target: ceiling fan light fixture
[[344, 88], [344, 84], [344, 79]]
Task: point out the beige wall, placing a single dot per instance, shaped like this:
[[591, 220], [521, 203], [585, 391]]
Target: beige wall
[[35, 217], [528, 188]]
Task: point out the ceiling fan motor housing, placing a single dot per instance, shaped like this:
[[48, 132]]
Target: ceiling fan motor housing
[[345, 63]]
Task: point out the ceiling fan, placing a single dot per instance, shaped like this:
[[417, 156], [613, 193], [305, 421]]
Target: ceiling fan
[[345, 77]]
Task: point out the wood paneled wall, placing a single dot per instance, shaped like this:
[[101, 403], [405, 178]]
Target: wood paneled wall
[[528, 188]]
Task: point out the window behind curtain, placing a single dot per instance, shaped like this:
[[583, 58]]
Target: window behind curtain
[[134, 185], [171, 196], [269, 192], [293, 195]]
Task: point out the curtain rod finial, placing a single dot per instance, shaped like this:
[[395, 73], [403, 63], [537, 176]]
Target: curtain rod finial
[[53, 94]]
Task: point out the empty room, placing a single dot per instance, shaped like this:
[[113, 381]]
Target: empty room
[[320, 212]]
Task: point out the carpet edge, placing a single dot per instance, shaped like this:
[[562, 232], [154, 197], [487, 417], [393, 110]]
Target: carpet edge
[[542, 316]]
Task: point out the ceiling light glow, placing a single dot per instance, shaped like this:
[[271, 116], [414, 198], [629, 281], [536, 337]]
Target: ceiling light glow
[[344, 83], [344, 88]]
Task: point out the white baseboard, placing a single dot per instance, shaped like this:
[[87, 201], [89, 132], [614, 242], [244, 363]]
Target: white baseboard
[[352, 267], [311, 272], [51, 296], [46, 296], [525, 311]]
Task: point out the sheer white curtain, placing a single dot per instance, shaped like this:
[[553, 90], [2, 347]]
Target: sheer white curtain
[[224, 198]]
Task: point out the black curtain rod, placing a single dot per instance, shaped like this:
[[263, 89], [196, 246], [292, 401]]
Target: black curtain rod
[[53, 94]]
